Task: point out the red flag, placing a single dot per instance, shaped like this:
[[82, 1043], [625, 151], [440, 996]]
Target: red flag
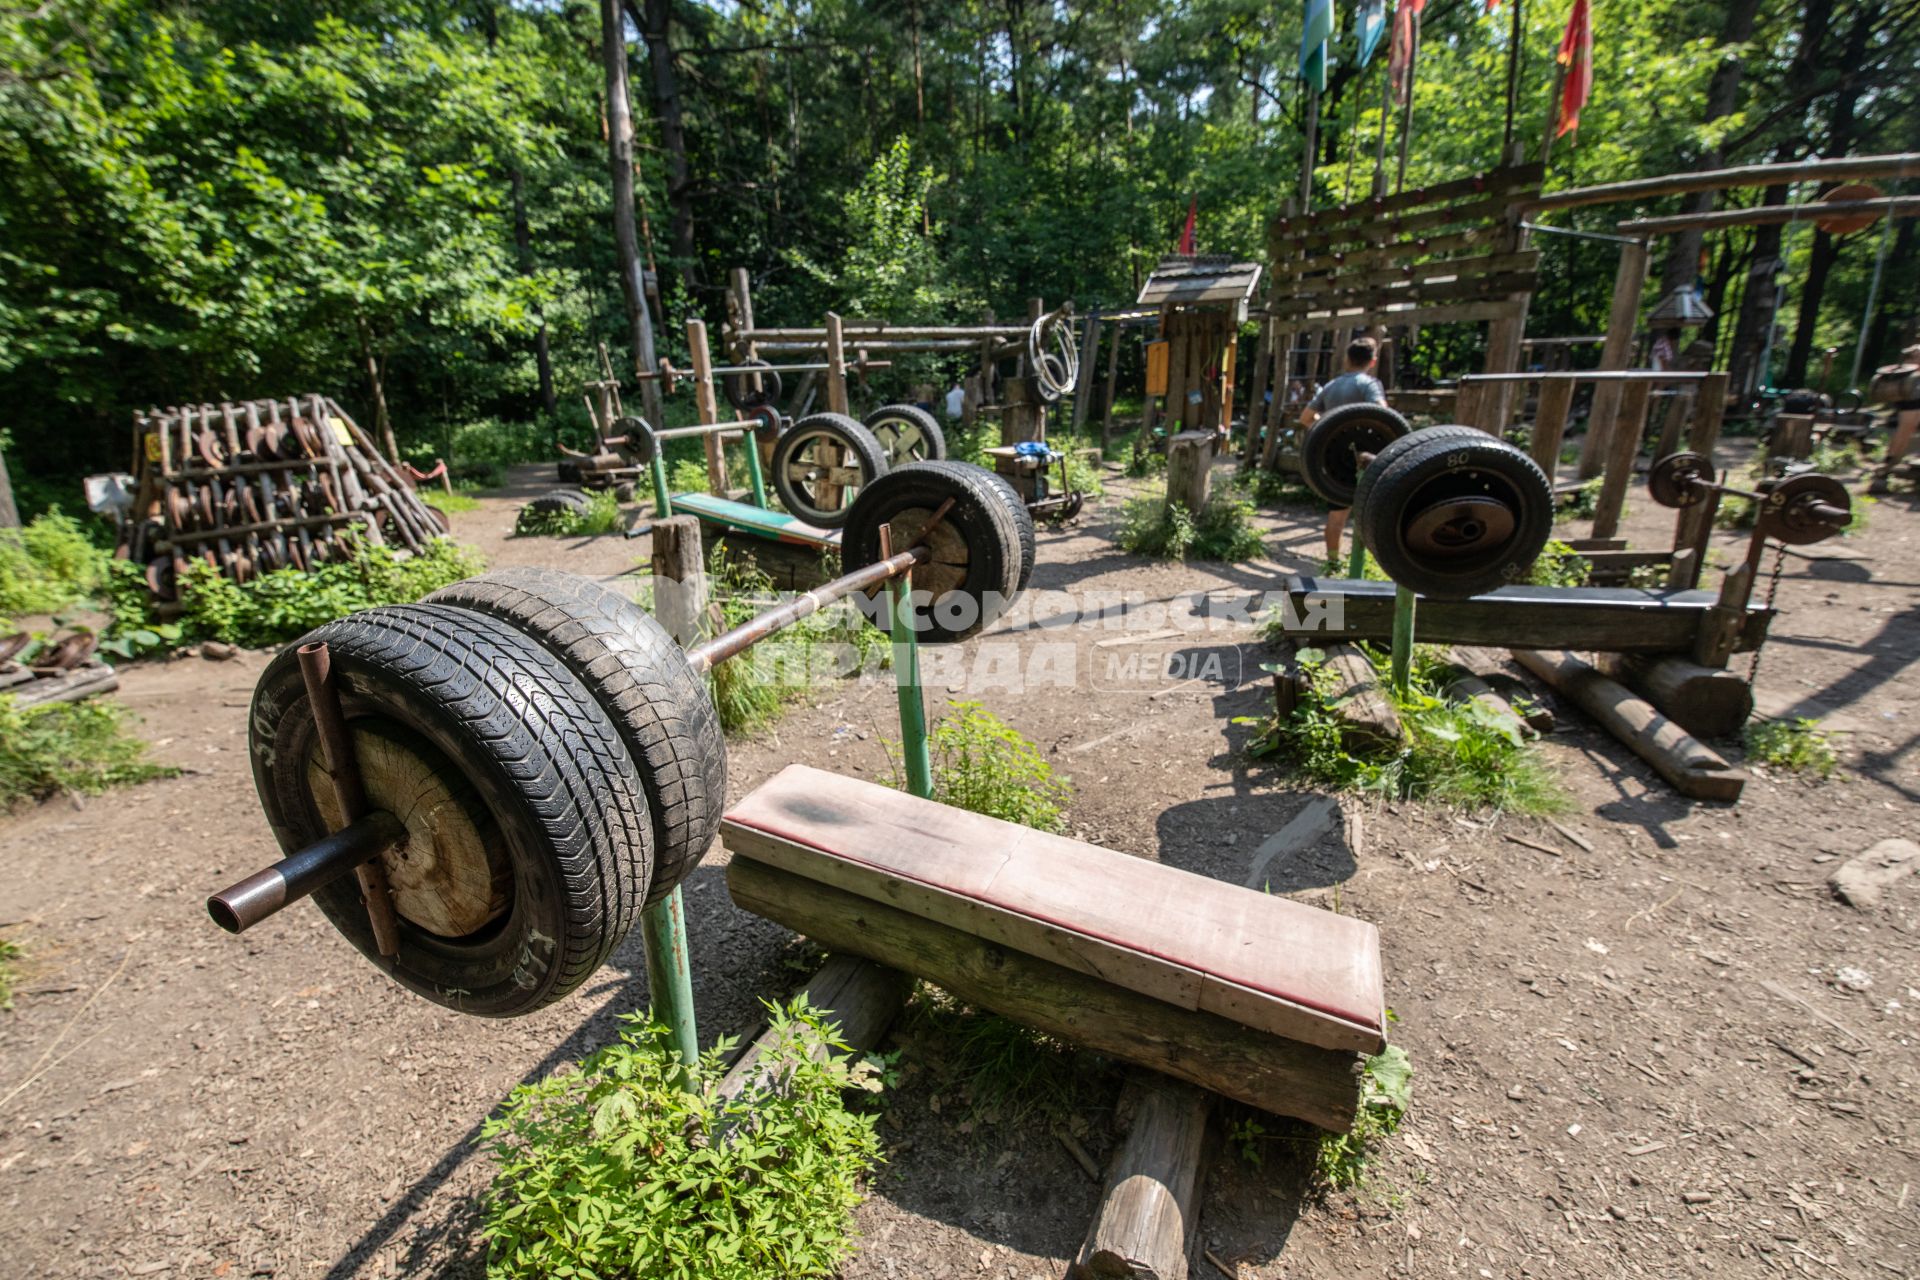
[[1576, 55], [1186, 235], [1400, 57]]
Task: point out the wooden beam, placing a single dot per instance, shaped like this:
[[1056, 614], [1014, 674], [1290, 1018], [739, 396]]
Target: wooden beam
[[707, 404], [1266, 1071], [1550, 424], [1190, 469], [1711, 702], [1773, 215], [1618, 619], [1629, 281], [1083, 388], [836, 366], [1905, 165], [1629, 426], [1151, 1204], [1694, 769]]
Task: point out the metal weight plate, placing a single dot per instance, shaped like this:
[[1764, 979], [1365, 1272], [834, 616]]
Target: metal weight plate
[[1800, 510], [1332, 449], [641, 445], [1676, 480]]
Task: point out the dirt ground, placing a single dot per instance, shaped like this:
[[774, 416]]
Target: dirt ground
[[1672, 1053]]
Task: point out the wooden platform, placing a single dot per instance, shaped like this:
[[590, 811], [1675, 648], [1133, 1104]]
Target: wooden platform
[[728, 516], [1612, 619], [1254, 996]]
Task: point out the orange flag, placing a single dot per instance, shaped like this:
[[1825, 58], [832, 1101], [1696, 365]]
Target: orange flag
[[1576, 55]]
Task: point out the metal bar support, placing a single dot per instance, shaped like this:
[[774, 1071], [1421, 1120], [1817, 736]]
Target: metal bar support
[[906, 678], [1403, 601], [349, 789], [663, 930]]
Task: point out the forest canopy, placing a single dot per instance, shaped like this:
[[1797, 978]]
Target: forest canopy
[[222, 199]]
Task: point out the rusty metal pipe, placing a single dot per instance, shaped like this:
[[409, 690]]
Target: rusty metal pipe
[[343, 766], [241, 905], [709, 654]]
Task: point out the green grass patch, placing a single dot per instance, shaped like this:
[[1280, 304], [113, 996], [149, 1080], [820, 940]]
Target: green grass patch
[[278, 606], [755, 689], [984, 765], [1275, 487], [1340, 1159], [1003, 1073], [1799, 745], [602, 515], [451, 503], [1224, 530], [9, 952], [48, 565], [68, 747], [615, 1169], [1457, 753]]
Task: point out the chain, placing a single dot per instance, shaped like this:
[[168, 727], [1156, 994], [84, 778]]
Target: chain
[[1773, 589]]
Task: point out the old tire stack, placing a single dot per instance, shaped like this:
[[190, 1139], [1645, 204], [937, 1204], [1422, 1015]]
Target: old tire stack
[[1331, 451], [821, 462], [1451, 512], [553, 760]]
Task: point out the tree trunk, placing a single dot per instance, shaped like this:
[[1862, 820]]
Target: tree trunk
[[523, 244], [613, 41], [1683, 251], [376, 386], [658, 28], [1756, 306], [9, 513], [1891, 301]]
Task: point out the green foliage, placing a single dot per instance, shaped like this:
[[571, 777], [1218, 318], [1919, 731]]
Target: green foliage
[[9, 952], [1586, 499], [1458, 753], [1799, 745], [1559, 565], [616, 1169], [1276, 488], [1010, 1075], [754, 689], [80, 747], [601, 516], [48, 565], [1224, 530], [276, 607], [1146, 462], [983, 765], [451, 503], [1387, 1093]]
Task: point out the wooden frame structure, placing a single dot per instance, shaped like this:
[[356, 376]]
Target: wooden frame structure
[[1201, 301]]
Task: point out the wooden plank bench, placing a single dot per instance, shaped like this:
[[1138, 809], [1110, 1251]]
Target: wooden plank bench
[[727, 516], [1614, 619], [1256, 997]]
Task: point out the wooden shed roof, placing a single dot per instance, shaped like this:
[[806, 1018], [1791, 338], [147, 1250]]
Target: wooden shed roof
[[1201, 281]]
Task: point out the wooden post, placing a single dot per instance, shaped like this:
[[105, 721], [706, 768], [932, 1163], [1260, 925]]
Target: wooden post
[[1190, 468], [858, 998], [1257, 392], [836, 366], [1106, 405], [1711, 702], [1083, 390], [1629, 280], [1625, 447], [1694, 525], [1151, 1204], [633, 284], [739, 314], [9, 513], [680, 579], [1036, 307], [708, 406], [1720, 627], [1906, 423], [1550, 423]]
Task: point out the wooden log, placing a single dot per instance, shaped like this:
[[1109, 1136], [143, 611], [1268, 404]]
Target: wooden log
[[680, 578], [1694, 769], [1753, 175], [1773, 215], [1106, 404], [1083, 388], [1151, 1205], [1467, 686], [1550, 423], [859, 998], [1623, 448], [836, 365], [1710, 702], [69, 686], [1368, 720], [1257, 415], [1791, 437], [1190, 469], [707, 404], [1629, 280], [1262, 1070]]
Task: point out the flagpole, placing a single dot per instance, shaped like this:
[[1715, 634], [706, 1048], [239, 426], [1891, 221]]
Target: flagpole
[[1406, 114], [1306, 159], [1513, 80], [1553, 111], [1380, 151]]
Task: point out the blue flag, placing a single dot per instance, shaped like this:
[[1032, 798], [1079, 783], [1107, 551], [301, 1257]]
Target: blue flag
[[1314, 35], [1371, 26]]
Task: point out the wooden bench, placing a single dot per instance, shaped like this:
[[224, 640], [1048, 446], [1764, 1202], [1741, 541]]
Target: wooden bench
[[728, 516], [1255, 997]]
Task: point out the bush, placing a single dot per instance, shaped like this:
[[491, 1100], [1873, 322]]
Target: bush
[[617, 1170], [1224, 530], [1458, 753], [601, 516], [278, 606], [1799, 746], [68, 747], [983, 765], [1559, 565], [48, 565]]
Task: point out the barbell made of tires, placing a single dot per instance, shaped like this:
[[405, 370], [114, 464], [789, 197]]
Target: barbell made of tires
[[1803, 509], [1412, 440], [1450, 517], [823, 461], [1331, 451], [908, 433], [540, 760], [1681, 479]]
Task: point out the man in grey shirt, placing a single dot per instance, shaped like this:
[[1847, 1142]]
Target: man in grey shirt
[[1356, 386]]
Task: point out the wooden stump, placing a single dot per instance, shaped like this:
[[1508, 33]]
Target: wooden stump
[[1709, 701], [1369, 720], [679, 578], [1151, 1205], [1190, 469]]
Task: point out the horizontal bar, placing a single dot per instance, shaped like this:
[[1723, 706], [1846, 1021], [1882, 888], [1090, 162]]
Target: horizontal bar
[[709, 654], [707, 429], [850, 332], [1774, 215], [262, 526], [1905, 165], [247, 902], [1578, 234], [1590, 375]]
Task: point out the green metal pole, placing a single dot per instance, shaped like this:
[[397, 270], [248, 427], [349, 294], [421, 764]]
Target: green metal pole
[[669, 978], [662, 500], [753, 470], [1402, 639], [906, 680], [1357, 557]]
